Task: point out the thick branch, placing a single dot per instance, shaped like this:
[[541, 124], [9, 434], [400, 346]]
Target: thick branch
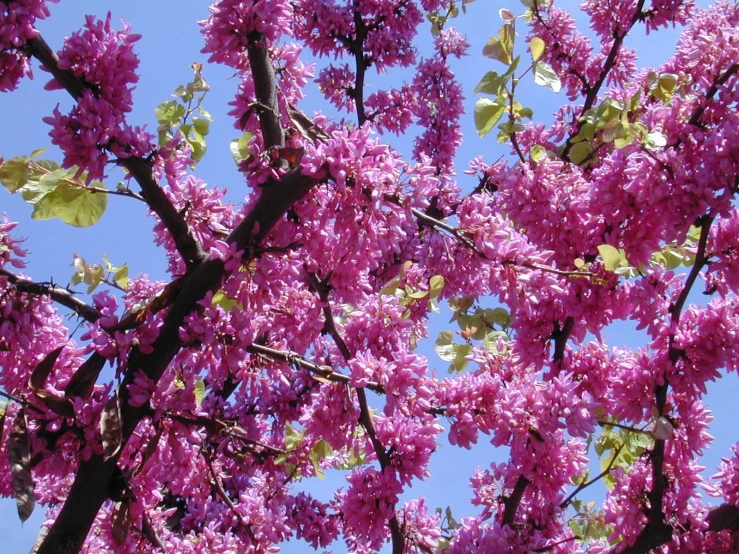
[[514, 501], [357, 47], [657, 532], [57, 294], [91, 484], [266, 90], [185, 241]]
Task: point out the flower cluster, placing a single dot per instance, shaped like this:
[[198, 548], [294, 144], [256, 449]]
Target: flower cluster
[[103, 60], [17, 18]]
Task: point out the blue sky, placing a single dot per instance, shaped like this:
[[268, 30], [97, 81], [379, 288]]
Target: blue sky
[[170, 43]]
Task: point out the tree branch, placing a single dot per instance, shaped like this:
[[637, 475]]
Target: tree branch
[[595, 479], [695, 118], [266, 90], [360, 31], [592, 93], [512, 503], [57, 294], [322, 371], [657, 532], [91, 484], [365, 418]]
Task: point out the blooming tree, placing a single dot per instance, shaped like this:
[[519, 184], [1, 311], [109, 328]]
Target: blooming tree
[[284, 343]]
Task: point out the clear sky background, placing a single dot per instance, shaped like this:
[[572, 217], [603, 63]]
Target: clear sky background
[[171, 42]]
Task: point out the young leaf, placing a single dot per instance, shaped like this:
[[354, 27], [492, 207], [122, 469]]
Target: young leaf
[[487, 114], [14, 173], [167, 112], [19, 457], [76, 206], [445, 346], [43, 369], [436, 284], [501, 47], [537, 48], [240, 147], [120, 277], [538, 153], [611, 256], [580, 152], [491, 83], [120, 521], [110, 428], [199, 391]]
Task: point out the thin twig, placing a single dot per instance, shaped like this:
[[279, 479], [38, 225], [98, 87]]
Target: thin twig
[[115, 192], [657, 532], [57, 294], [600, 476], [22, 401], [603, 423]]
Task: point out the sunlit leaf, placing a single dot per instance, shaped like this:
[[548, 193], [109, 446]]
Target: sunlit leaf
[[537, 48], [611, 256], [14, 173], [444, 346], [199, 391], [545, 76], [76, 206], [487, 114], [501, 47], [580, 152]]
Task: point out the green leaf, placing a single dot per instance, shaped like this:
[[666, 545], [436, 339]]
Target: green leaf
[[459, 362], [580, 152], [663, 86], [611, 256], [497, 316], [169, 112], [199, 391], [487, 114], [436, 284], [14, 173], [197, 143], [120, 277], [444, 346], [220, 299], [537, 48], [36, 190], [545, 76], [491, 83], [201, 125], [76, 206], [501, 48], [538, 153], [240, 147]]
